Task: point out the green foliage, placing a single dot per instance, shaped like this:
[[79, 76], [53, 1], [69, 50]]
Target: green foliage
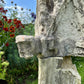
[[19, 67], [3, 66], [29, 71], [29, 29], [79, 61], [32, 82]]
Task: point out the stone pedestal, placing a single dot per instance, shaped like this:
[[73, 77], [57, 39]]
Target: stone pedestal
[[57, 70], [52, 68]]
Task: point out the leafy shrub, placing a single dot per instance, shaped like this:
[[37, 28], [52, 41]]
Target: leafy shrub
[[19, 67], [3, 67]]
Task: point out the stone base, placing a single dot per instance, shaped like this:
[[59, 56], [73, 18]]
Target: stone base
[[58, 70]]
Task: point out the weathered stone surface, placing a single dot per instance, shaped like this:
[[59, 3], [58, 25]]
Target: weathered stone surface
[[28, 45], [79, 50], [58, 70], [48, 46], [63, 19]]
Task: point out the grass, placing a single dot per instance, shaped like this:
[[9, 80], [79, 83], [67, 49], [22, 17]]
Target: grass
[[29, 30], [79, 61], [32, 82]]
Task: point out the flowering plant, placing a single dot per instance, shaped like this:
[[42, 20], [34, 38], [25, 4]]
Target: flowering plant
[[3, 66], [8, 28], [33, 15]]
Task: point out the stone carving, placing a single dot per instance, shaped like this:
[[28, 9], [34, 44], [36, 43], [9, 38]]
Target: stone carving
[[62, 19], [59, 34], [29, 46]]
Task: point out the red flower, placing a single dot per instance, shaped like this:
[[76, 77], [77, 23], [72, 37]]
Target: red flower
[[4, 17], [15, 19], [9, 21], [1, 9], [7, 44], [15, 22], [22, 26], [6, 28], [12, 35], [18, 21], [17, 26], [4, 11], [11, 26], [12, 29]]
